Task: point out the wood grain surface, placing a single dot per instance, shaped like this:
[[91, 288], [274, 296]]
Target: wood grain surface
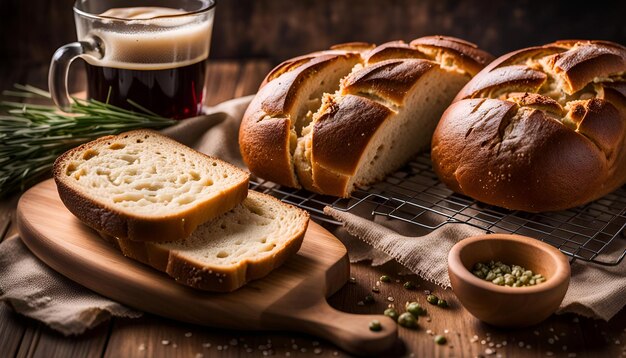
[[144, 337]]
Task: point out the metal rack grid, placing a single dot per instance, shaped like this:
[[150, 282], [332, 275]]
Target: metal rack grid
[[593, 232]]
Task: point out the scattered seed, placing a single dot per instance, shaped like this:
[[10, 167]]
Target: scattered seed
[[549, 353], [409, 285], [440, 339], [428, 331], [352, 280], [490, 351], [407, 320], [199, 355], [375, 326], [206, 345], [174, 345], [483, 342], [432, 299], [375, 289], [142, 347], [415, 309], [188, 334], [446, 331], [390, 299], [392, 313], [165, 342], [551, 340], [474, 339], [335, 353], [442, 303], [385, 278]]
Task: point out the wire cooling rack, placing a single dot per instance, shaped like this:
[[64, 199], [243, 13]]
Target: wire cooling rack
[[593, 232]]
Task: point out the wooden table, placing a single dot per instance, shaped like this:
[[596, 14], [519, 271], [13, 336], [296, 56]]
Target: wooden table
[[562, 336]]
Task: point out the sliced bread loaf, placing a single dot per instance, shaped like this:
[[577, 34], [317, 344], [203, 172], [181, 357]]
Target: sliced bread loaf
[[223, 254], [335, 120], [143, 186]]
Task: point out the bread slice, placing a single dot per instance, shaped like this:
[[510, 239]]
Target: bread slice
[[222, 255], [143, 186], [273, 121], [362, 133]]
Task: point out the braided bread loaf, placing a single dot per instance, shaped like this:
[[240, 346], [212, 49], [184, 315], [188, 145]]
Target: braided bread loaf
[[539, 129], [348, 116]]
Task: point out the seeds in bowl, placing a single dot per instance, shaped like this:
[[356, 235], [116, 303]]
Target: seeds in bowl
[[506, 275]]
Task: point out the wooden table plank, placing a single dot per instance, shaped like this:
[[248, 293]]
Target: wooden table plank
[[221, 82], [12, 327], [42, 342], [583, 337]]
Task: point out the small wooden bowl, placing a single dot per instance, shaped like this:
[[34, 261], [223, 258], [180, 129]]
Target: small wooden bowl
[[508, 306]]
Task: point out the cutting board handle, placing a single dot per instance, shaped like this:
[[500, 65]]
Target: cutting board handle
[[348, 331]]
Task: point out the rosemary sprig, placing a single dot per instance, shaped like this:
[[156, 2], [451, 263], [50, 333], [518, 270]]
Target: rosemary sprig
[[32, 136]]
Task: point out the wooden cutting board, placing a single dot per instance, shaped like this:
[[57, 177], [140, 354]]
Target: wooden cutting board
[[292, 297]]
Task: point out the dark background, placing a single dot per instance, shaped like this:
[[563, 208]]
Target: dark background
[[30, 31]]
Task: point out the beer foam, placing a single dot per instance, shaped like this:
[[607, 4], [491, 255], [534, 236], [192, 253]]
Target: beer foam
[[151, 40], [141, 13]]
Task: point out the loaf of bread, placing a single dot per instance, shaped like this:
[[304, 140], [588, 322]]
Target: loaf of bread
[[334, 120], [540, 129], [223, 254], [143, 186]]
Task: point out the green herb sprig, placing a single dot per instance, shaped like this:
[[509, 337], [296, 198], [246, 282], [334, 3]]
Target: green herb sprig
[[32, 136]]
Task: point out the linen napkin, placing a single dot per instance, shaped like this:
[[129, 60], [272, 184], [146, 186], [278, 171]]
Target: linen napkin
[[35, 290], [595, 291]]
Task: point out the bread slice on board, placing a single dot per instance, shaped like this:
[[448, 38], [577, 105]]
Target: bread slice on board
[[222, 255], [143, 186]]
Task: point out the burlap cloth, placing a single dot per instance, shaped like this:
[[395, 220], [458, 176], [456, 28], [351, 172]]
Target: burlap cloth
[[35, 290]]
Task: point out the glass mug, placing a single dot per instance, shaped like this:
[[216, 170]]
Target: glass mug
[[153, 54]]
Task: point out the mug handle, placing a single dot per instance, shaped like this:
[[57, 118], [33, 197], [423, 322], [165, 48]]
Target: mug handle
[[60, 66]]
